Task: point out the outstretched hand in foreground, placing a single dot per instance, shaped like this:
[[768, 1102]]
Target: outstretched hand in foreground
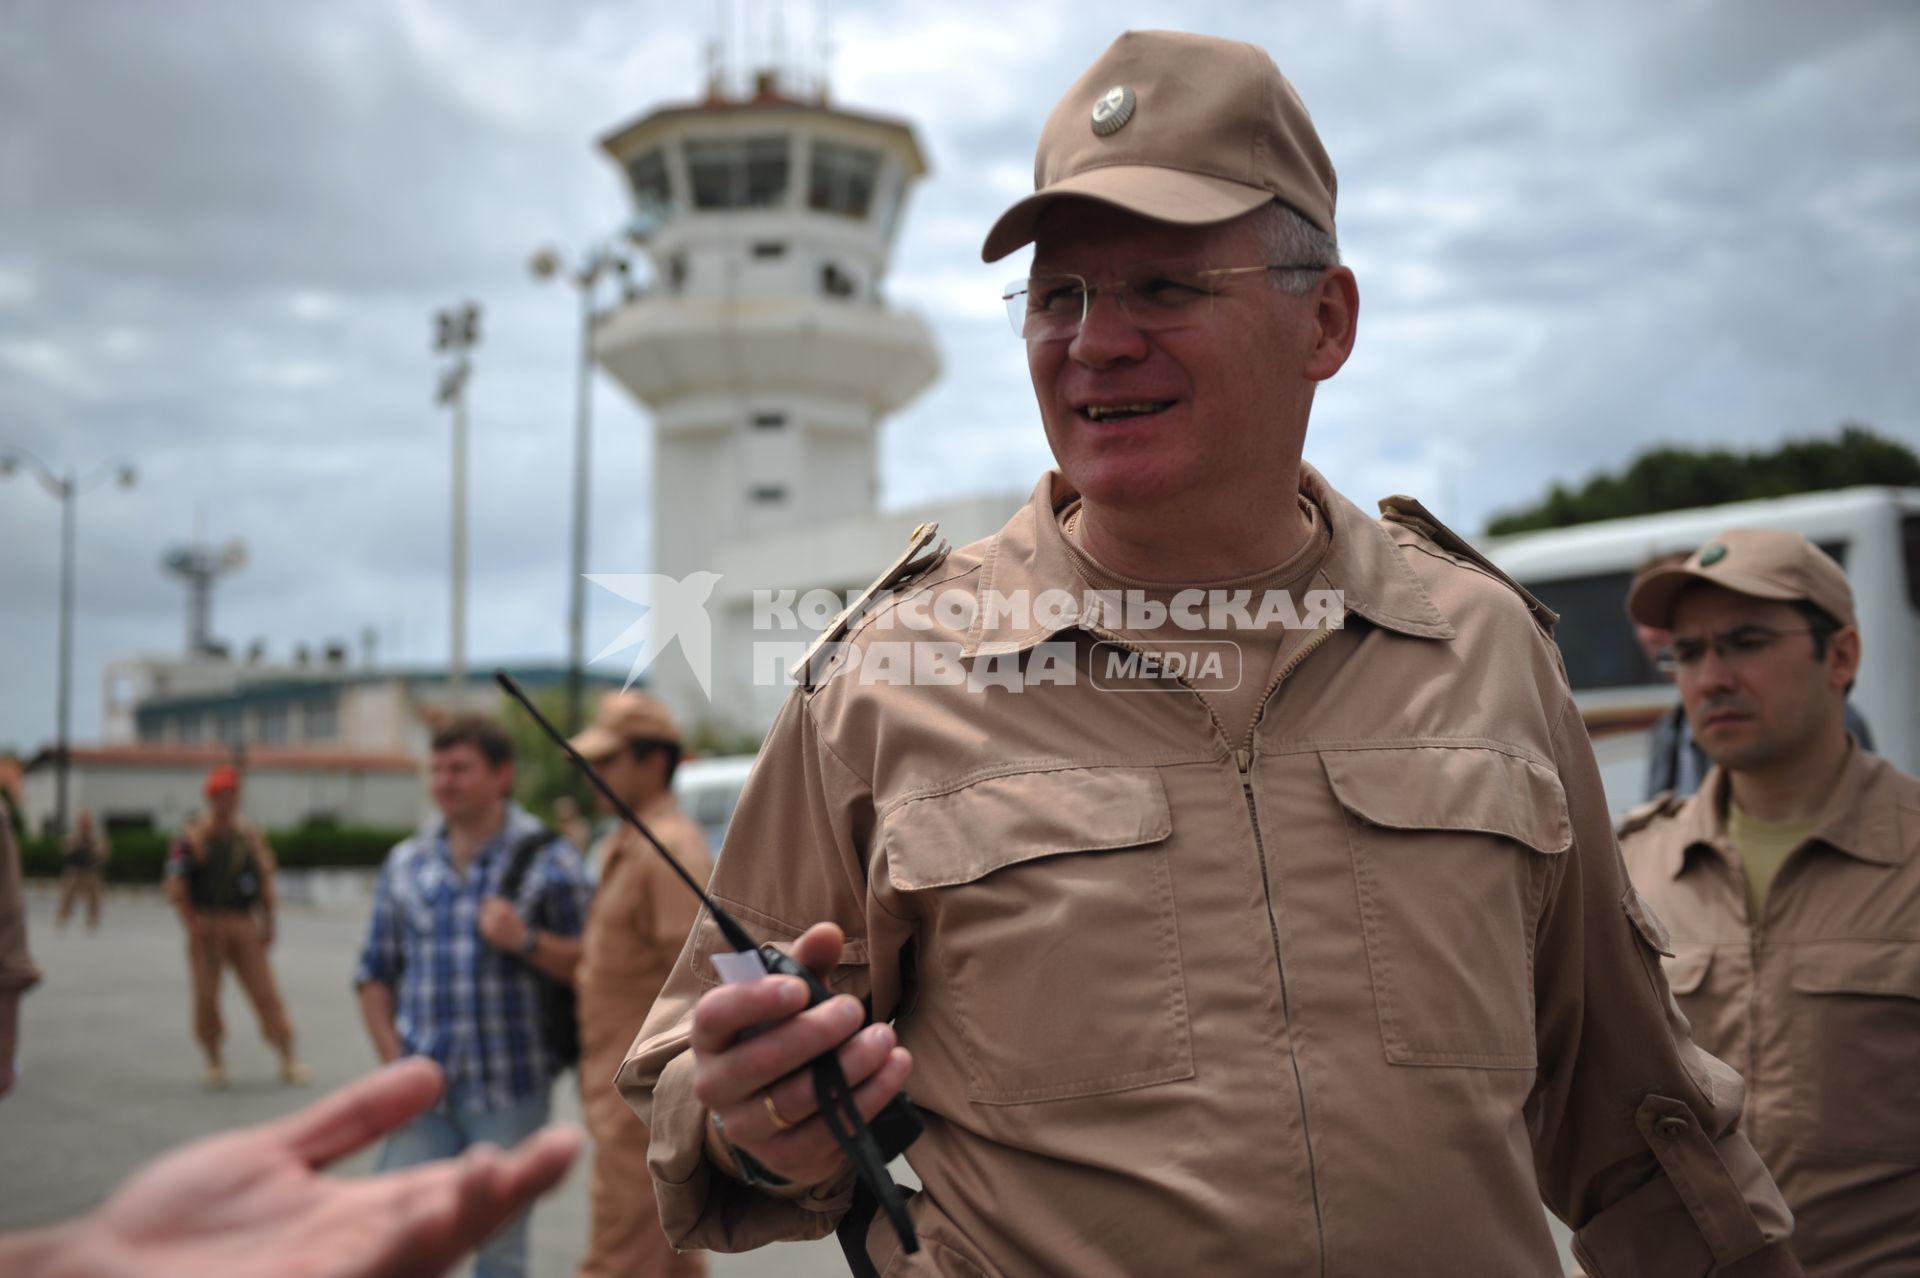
[[255, 1201]]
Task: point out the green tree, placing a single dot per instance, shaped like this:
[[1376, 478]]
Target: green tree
[[1674, 478], [544, 772], [706, 740]]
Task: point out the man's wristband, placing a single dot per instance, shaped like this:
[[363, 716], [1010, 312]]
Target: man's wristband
[[530, 943]]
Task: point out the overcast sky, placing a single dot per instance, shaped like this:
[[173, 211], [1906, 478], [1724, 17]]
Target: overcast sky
[[1579, 230]]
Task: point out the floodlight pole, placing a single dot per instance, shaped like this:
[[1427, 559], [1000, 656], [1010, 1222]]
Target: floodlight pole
[[458, 331], [66, 490], [582, 464], [547, 264]]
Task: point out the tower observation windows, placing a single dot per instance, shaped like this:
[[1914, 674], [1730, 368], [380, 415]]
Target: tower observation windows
[[835, 282], [842, 179], [652, 195], [738, 173]]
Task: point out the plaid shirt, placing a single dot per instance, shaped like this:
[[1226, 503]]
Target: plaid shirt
[[469, 1006]]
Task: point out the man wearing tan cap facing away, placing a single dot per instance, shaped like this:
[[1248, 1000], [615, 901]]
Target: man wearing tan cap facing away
[[18, 973], [220, 879], [1330, 968], [1791, 882], [640, 919]]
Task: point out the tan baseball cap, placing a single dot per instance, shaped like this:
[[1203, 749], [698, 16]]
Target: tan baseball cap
[[1765, 563], [623, 718], [1179, 128]]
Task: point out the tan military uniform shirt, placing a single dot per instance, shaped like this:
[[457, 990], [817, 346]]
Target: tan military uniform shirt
[[1816, 1001], [640, 919], [1236, 692], [17, 969], [1353, 999]]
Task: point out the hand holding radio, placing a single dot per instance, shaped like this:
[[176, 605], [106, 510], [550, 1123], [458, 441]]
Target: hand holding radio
[[752, 1042], [808, 1024]]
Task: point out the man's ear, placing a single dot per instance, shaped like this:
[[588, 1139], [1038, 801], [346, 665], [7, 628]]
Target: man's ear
[[1336, 318], [1843, 657]]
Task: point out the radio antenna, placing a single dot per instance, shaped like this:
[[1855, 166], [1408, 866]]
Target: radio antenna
[[736, 935]]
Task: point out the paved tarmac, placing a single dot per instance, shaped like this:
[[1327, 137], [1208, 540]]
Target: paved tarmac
[[110, 1073]]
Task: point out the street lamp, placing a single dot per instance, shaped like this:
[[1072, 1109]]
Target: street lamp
[[456, 331], [599, 262], [65, 489]]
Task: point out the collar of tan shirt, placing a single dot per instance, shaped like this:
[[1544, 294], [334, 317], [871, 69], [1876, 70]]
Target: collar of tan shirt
[[1031, 555], [1860, 819]]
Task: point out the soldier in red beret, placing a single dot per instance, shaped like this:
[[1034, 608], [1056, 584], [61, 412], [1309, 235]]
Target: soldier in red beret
[[220, 879]]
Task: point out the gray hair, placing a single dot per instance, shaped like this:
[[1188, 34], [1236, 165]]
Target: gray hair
[[1286, 236]]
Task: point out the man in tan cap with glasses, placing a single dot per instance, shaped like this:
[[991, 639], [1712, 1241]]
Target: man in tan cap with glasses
[[1792, 886], [640, 919], [1328, 966]]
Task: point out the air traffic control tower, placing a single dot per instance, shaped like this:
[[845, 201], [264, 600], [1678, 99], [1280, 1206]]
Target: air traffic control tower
[[769, 357]]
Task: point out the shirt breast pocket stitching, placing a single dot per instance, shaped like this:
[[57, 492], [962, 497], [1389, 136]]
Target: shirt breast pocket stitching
[[1491, 797], [1843, 1104], [946, 848]]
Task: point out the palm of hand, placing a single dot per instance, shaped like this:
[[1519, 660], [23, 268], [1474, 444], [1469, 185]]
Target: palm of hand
[[217, 1207], [255, 1201]]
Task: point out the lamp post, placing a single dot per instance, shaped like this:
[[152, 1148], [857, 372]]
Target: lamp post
[[547, 264], [456, 331], [65, 489]]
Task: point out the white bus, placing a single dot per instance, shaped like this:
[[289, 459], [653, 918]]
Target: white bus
[[708, 789], [1583, 573]]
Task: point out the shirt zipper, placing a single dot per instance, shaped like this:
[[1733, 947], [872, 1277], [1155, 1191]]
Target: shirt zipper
[[1755, 940], [1243, 762]]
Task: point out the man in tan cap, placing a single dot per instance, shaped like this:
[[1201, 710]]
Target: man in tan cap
[[1792, 886], [640, 919], [18, 973], [1327, 965], [220, 879]]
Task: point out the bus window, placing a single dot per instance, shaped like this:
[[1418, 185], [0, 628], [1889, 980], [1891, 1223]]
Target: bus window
[[1596, 638], [1910, 536]]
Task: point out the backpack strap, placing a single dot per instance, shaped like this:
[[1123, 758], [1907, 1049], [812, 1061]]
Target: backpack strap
[[525, 848]]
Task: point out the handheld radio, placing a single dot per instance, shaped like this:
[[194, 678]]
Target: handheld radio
[[868, 1148]]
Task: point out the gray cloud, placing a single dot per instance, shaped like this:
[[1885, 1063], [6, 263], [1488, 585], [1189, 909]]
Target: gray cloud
[[223, 229]]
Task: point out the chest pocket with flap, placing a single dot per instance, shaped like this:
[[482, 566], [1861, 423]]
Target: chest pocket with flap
[[1452, 848], [1856, 1033], [1046, 909]]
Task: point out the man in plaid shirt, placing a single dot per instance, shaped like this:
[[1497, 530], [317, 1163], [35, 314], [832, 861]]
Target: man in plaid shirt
[[448, 968]]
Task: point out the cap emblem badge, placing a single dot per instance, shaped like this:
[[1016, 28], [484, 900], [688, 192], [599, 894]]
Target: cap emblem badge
[[1114, 109], [1712, 555]]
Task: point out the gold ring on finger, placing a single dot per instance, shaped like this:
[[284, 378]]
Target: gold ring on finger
[[773, 1113]]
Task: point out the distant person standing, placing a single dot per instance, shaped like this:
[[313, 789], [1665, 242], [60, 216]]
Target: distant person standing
[[452, 971], [80, 878], [17, 971], [220, 878], [640, 920]]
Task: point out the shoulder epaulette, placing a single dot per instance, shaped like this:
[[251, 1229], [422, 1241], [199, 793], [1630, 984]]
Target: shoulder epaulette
[[1640, 816], [921, 554], [1400, 509]]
